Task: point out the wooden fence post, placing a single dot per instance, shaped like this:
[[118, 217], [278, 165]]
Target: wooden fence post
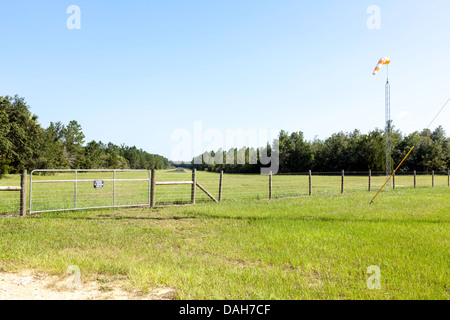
[[370, 179], [310, 185], [432, 179], [415, 179], [23, 193], [448, 178], [393, 181], [220, 185], [342, 182], [194, 184], [152, 188], [270, 185]]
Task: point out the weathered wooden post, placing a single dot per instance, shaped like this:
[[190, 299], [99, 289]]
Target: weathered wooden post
[[370, 179], [23, 193], [415, 179], [342, 182], [152, 188], [432, 179], [270, 185], [310, 185], [206, 191], [220, 185], [393, 181], [194, 183]]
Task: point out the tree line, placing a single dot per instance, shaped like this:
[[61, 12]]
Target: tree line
[[352, 151], [25, 144]]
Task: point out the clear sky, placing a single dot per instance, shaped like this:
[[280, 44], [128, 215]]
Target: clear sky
[[137, 71]]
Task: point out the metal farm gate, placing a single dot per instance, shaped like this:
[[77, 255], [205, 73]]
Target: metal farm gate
[[65, 189], [77, 189]]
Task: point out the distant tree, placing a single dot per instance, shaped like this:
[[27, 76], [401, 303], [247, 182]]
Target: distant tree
[[73, 139], [95, 155], [51, 149], [300, 159], [20, 136], [372, 151], [5, 144]]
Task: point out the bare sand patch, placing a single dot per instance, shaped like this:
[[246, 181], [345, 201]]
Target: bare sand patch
[[31, 285]]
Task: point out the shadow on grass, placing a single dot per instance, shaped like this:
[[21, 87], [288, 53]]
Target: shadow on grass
[[111, 217], [197, 216], [323, 219]]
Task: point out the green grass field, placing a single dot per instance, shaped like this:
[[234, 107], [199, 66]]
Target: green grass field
[[315, 247]]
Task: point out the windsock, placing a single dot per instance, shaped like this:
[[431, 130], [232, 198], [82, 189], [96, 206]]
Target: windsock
[[382, 61]]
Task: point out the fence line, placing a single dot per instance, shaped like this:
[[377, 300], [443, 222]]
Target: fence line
[[91, 189]]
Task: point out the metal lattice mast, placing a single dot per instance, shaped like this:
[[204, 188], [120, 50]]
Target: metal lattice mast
[[385, 61], [388, 128]]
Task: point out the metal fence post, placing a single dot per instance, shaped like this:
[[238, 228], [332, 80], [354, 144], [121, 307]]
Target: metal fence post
[[220, 185], [370, 179], [310, 185], [149, 187], [114, 188], [194, 182], [342, 182], [23, 193], [152, 188], [29, 197], [270, 185]]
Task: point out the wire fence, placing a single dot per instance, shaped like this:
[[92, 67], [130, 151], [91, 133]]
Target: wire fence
[[10, 201], [60, 190], [170, 194], [254, 186]]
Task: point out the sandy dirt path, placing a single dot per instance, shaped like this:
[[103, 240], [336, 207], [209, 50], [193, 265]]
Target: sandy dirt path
[[30, 285]]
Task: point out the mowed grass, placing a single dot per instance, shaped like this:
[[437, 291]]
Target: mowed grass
[[315, 247]]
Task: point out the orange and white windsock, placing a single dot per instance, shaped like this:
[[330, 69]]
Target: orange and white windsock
[[382, 61]]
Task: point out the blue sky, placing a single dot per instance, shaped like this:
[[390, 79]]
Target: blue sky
[[137, 71]]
